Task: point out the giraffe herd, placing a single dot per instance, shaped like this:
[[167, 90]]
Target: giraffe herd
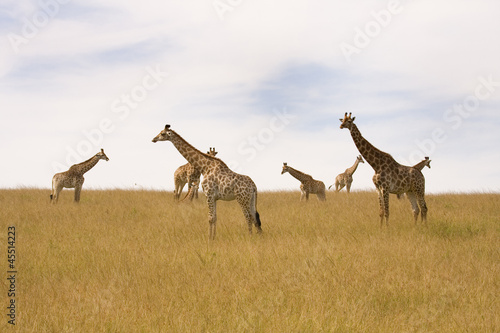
[[221, 183]]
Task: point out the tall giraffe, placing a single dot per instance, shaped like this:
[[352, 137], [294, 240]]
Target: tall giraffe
[[307, 183], [187, 173], [219, 182], [390, 176], [73, 178], [345, 178]]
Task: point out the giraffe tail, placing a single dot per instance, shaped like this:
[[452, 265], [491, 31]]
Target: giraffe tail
[[258, 224], [257, 219]]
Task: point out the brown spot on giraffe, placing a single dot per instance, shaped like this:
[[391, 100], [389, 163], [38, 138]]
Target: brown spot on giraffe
[[390, 176], [73, 178], [426, 162], [219, 182], [345, 178], [307, 183]]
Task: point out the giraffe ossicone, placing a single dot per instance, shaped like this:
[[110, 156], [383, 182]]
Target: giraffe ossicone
[[73, 178], [219, 182]]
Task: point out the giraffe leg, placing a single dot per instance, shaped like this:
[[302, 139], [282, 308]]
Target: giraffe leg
[[178, 190], [383, 197], [321, 194], [413, 200], [307, 196], [248, 216], [58, 190], [348, 187], [212, 216], [386, 207], [78, 190], [423, 208]]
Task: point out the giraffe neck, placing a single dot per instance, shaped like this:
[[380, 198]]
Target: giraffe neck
[[373, 156], [351, 170], [85, 166], [420, 165], [302, 177], [195, 157]]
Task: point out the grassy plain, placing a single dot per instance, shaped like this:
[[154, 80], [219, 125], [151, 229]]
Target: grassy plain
[[132, 261]]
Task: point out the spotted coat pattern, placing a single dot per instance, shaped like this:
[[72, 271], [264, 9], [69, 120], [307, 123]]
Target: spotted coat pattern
[[188, 174], [345, 178], [308, 185], [219, 182], [73, 178], [420, 166], [390, 176]]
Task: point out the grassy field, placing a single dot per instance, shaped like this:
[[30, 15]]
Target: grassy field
[[131, 261]]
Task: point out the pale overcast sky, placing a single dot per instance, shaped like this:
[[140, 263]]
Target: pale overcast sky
[[265, 82]]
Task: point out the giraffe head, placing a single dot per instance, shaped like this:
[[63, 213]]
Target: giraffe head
[[164, 135], [347, 121], [427, 162], [285, 168], [360, 159], [101, 155], [212, 152]]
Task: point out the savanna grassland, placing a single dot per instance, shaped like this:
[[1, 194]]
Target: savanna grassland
[[132, 261]]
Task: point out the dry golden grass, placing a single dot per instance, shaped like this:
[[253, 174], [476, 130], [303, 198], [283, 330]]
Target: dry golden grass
[[126, 261]]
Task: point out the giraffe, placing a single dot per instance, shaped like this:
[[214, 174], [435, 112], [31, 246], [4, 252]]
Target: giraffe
[[420, 166], [307, 183], [219, 182], [390, 176], [73, 178], [187, 173], [345, 179]]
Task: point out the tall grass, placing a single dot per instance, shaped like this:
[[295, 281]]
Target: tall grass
[[131, 261]]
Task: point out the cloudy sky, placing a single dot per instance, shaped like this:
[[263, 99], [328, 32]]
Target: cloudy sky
[[265, 82]]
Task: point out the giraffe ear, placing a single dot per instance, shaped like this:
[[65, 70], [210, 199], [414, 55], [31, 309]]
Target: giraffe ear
[[353, 118]]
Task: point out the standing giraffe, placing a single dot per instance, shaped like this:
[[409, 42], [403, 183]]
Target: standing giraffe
[[307, 183], [73, 178], [345, 179], [187, 173], [219, 182], [390, 176]]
